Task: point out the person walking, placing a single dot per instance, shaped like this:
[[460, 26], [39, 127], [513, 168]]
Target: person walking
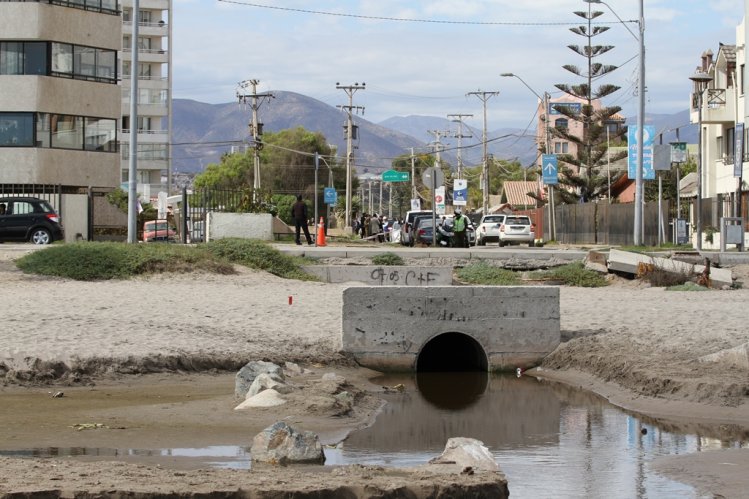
[[299, 214], [459, 229]]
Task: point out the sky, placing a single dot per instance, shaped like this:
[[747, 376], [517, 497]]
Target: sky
[[427, 62]]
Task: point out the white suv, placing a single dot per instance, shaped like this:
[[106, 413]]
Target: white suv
[[488, 229], [517, 229]]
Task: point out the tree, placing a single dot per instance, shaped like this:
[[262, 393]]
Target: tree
[[287, 165], [581, 174]]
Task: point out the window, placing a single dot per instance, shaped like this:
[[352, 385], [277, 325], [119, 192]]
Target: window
[[16, 129], [23, 58], [741, 82], [561, 147], [62, 58], [58, 59], [101, 135], [561, 123], [67, 131]]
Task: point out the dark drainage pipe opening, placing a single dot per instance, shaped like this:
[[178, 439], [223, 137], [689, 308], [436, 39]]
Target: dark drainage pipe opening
[[452, 352]]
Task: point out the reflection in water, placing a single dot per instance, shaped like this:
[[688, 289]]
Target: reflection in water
[[549, 439], [452, 391]]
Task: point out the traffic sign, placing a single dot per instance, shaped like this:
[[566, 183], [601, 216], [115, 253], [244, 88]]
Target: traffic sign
[[330, 196], [549, 168], [678, 152], [395, 176], [433, 178]]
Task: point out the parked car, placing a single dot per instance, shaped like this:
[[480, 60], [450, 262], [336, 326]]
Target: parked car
[[29, 219], [407, 226], [488, 229], [158, 230], [423, 231], [517, 229]]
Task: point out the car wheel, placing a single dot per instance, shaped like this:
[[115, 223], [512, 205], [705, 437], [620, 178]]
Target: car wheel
[[501, 243], [41, 236]]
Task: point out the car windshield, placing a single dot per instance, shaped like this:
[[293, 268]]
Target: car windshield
[[517, 221], [493, 219], [158, 226]]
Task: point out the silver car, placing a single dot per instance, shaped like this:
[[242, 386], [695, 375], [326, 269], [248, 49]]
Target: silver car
[[488, 229], [517, 229]]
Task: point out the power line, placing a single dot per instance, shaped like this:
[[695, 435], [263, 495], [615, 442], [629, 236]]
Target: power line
[[408, 19]]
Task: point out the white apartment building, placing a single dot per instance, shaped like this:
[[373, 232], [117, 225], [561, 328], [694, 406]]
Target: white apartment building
[[154, 95], [723, 106], [59, 98]]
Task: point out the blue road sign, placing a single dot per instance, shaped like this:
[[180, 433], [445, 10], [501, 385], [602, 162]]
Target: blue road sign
[[648, 139], [329, 195], [550, 169]]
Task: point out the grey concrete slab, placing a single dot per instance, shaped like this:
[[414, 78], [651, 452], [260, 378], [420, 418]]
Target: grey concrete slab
[[625, 261], [385, 328], [383, 275]]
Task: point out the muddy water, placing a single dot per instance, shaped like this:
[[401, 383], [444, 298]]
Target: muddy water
[[549, 439]]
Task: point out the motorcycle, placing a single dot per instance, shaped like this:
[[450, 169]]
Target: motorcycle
[[444, 236]]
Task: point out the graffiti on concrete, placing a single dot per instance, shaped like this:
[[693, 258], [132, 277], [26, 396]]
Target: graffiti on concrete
[[403, 278]]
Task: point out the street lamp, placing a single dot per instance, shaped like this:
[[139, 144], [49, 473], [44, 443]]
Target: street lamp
[[701, 79], [547, 147], [638, 233]]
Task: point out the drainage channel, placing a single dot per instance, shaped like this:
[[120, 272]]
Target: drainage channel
[[550, 440]]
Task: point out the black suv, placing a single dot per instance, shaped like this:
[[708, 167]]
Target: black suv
[[29, 219]]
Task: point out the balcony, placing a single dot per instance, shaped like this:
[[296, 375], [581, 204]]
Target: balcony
[[718, 107], [159, 56], [146, 29], [146, 136]]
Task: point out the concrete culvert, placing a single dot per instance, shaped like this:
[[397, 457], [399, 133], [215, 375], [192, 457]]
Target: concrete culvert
[[452, 352]]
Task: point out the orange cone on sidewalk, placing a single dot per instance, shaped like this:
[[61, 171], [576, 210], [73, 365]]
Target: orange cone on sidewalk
[[321, 233]]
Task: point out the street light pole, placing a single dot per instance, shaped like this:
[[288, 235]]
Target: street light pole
[[547, 148], [638, 224], [701, 79]]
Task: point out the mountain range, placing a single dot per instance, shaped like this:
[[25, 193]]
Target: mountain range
[[202, 132]]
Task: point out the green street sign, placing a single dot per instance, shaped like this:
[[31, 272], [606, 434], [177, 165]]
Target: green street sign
[[394, 176]]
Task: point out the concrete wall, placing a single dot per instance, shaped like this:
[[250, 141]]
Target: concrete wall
[[244, 225], [385, 328], [378, 275]]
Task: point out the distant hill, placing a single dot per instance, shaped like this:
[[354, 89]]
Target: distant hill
[[203, 132]]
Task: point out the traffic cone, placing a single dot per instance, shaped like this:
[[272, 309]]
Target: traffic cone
[[321, 233]]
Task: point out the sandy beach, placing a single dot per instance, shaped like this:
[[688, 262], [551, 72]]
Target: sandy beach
[[638, 346]]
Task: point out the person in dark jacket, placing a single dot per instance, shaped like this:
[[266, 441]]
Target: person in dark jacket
[[299, 214]]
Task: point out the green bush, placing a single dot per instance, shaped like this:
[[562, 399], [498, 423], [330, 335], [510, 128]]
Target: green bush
[[481, 273], [257, 255], [687, 286], [100, 261], [574, 274], [387, 259]]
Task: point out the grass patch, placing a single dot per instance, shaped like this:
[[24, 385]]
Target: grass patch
[[687, 286], [258, 255], [482, 273], [87, 261], [573, 274], [387, 259]]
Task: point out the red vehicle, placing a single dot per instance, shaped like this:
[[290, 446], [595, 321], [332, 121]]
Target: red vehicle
[[158, 230]]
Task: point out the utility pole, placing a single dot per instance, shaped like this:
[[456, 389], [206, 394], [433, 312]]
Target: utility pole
[[256, 128], [458, 118], [132, 192], [438, 134], [484, 97], [413, 174], [350, 130]]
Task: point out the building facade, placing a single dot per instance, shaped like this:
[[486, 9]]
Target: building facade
[[154, 108], [59, 93], [722, 107]]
